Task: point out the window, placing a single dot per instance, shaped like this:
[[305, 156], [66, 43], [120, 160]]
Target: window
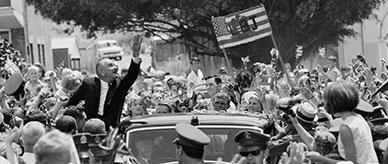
[[42, 58], [28, 52], [32, 52], [75, 64], [5, 34], [39, 54], [43, 54]]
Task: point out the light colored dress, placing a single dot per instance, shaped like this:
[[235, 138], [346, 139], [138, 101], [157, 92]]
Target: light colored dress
[[363, 142]]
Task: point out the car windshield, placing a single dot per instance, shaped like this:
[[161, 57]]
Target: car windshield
[[155, 146]]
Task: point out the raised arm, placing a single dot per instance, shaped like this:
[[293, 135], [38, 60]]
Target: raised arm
[[134, 68]]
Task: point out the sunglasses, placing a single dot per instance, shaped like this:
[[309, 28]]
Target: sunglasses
[[246, 153]]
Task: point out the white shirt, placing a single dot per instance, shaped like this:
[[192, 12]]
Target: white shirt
[[195, 78], [362, 139], [103, 92]]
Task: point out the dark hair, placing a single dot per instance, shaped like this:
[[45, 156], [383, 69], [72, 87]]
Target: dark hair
[[217, 80], [194, 59], [37, 116], [193, 152], [244, 79], [66, 124], [42, 70], [341, 96], [75, 112], [166, 105]]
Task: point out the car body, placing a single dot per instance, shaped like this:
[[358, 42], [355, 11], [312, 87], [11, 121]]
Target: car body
[[153, 135]]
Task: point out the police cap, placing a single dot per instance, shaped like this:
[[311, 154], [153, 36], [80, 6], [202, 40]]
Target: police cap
[[247, 138], [191, 136]]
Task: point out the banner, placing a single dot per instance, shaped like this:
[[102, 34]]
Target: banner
[[242, 27]]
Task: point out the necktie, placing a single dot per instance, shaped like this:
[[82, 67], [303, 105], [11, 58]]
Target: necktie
[[109, 95]]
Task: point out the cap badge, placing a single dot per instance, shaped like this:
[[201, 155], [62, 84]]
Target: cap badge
[[97, 140], [247, 135], [83, 140]]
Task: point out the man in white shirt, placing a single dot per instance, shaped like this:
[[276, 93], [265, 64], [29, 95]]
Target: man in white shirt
[[195, 77], [333, 74]]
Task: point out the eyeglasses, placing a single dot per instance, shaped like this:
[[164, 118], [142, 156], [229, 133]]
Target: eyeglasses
[[254, 153]]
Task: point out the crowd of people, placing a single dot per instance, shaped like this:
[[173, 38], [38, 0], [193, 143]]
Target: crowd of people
[[329, 115]]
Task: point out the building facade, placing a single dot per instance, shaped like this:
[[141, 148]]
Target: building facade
[[27, 31], [370, 40]]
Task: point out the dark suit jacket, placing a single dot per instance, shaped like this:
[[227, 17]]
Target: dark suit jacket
[[90, 92]]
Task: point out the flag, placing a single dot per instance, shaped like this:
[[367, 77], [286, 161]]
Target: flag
[[139, 85], [11, 67], [241, 27]]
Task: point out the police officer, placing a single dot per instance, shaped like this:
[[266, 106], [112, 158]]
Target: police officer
[[190, 144], [252, 145]]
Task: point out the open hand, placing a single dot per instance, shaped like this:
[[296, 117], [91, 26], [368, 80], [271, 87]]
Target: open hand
[[297, 155], [12, 135], [136, 46]]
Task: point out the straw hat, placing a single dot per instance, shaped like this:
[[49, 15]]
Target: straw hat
[[306, 112]]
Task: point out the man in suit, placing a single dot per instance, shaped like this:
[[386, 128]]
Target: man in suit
[[105, 95]]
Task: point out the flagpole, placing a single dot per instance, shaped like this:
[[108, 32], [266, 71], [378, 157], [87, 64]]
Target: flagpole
[[228, 65], [281, 59]]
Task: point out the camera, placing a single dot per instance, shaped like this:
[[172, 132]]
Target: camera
[[285, 105]]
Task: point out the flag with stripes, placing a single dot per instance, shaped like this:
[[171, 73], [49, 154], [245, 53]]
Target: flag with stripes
[[242, 27], [139, 85]]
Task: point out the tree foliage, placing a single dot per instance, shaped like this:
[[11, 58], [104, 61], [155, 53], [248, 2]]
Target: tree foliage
[[310, 23], [10, 59]]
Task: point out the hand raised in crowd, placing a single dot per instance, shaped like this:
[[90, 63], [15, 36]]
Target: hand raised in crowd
[[136, 46], [296, 155], [12, 135], [12, 148]]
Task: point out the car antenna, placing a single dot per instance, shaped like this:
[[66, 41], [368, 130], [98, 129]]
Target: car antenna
[[194, 121]]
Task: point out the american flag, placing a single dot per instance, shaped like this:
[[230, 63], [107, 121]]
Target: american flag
[[220, 27], [257, 27], [139, 85]]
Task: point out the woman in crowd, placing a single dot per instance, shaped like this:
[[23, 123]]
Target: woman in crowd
[[355, 139], [136, 107]]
